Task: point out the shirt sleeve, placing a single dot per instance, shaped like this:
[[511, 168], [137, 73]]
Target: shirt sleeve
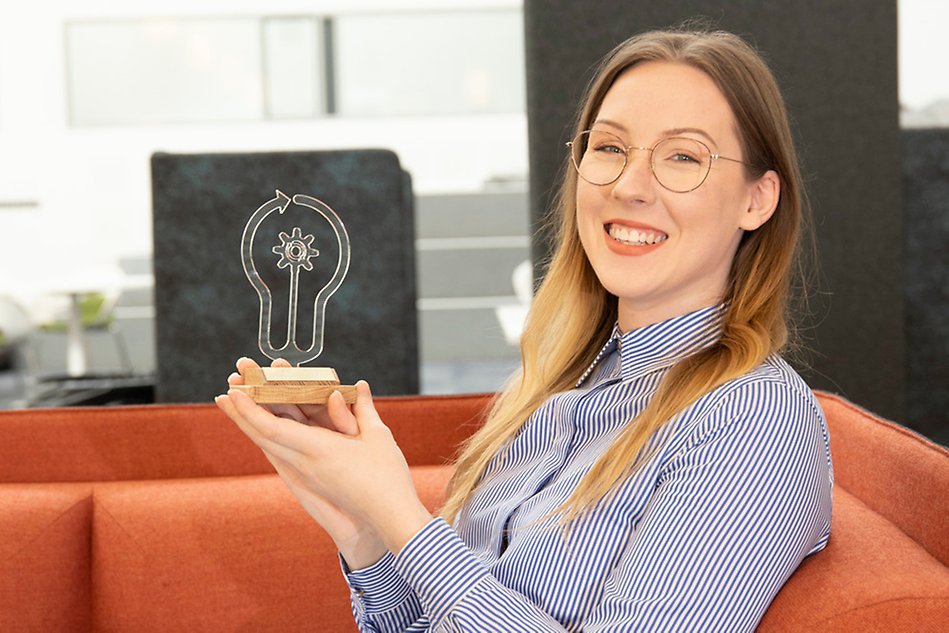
[[382, 601], [734, 513], [457, 592], [732, 517]]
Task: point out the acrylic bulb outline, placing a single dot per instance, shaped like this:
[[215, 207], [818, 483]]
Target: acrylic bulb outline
[[291, 351]]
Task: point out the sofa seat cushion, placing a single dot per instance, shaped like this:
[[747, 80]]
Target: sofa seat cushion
[[881, 568], [44, 557], [196, 554]]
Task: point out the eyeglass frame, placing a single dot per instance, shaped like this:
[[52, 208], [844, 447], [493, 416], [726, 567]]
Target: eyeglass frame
[[652, 165]]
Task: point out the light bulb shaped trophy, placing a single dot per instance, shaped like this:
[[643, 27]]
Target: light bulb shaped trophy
[[297, 384]]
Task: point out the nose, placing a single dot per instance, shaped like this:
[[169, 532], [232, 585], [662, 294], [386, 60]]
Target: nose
[[637, 182]]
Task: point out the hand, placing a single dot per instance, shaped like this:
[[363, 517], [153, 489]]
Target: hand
[[359, 544], [363, 475]]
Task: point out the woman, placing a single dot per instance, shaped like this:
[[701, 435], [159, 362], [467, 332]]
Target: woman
[[655, 465]]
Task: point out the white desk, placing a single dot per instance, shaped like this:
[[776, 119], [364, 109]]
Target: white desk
[[73, 285]]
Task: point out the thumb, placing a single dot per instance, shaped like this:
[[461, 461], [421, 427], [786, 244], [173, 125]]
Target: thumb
[[364, 409], [339, 414]]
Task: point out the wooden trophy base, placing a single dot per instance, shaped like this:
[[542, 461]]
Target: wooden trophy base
[[294, 385]]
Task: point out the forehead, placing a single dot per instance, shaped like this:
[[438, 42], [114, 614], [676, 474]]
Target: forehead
[[653, 97]]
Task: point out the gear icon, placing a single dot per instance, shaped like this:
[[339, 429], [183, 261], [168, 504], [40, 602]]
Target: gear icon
[[295, 250]]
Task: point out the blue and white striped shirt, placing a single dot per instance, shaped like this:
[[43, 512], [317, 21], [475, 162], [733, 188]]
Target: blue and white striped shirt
[[734, 493]]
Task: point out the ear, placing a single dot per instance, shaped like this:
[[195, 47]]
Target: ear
[[765, 193]]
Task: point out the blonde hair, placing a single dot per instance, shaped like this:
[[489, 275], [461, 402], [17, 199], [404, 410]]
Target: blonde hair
[[573, 315]]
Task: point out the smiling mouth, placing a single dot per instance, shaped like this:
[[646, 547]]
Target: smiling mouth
[[635, 237]]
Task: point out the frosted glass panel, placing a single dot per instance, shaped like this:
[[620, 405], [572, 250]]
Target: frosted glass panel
[[154, 71], [293, 67], [439, 63]]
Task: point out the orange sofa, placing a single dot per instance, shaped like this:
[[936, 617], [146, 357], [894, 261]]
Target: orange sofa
[[166, 518]]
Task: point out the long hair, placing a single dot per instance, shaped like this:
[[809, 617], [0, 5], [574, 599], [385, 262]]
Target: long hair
[[573, 315]]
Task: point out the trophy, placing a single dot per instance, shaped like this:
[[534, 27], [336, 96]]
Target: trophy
[[295, 252]]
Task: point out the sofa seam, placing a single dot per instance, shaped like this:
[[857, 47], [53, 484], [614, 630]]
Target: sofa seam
[[71, 508], [871, 605], [93, 601]]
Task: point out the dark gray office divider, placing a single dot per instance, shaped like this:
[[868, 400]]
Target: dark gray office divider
[[836, 63], [926, 207], [207, 311]]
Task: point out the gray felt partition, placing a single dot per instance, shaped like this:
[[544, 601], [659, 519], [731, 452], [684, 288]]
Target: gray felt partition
[[836, 63], [926, 203], [207, 312]]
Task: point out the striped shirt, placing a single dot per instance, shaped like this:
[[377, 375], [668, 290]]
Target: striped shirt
[[733, 493]]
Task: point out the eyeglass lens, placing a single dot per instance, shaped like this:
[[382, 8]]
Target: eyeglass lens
[[679, 164]]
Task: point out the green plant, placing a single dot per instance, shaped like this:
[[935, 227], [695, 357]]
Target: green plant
[[90, 308]]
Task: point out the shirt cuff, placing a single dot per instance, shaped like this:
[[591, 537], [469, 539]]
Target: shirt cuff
[[441, 569], [377, 588]]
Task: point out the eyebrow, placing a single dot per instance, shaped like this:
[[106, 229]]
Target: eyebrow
[[690, 130], [676, 131]]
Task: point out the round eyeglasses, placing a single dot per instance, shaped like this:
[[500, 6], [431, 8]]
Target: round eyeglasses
[[679, 164]]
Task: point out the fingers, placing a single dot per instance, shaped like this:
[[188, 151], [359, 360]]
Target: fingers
[[243, 364], [288, 411], [364, 398], [310, 415], [364, 409], [300, 438], [316, 414], [227, 405]]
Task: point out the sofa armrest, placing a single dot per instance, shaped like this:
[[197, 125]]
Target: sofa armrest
[[894, 471]]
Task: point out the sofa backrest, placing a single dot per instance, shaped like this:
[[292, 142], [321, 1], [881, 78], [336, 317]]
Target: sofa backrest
[[184, 441]]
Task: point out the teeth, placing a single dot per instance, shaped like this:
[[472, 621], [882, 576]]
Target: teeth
[[635, 237]]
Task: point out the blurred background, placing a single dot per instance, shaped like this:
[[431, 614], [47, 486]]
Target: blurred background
[[80, 123]]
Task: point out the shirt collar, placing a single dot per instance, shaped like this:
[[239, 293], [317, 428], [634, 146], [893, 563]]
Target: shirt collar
[[662, 344]]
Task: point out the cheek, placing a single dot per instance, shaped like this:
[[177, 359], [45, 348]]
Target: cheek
[[589, 204], [586, 219], [712, 214]]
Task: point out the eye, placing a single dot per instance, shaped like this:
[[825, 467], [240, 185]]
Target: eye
[[683, 157], [605, 145], [680, 152], [609, 148]]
